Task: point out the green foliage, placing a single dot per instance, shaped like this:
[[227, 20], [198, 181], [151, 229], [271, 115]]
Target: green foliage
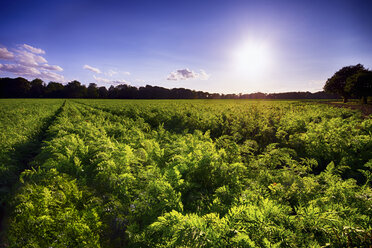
[[50, 209], [197, 174]]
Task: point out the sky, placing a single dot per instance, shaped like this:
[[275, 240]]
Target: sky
[[228, 46]]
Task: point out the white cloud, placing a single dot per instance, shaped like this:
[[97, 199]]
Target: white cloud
[[51, 67], [203, 75], [20, 70], [101, 80], [112, 73], [5, 54], [93, 69], [27, 55], [49, 75], [27, 58], [25, 62], [109, 81], [184, 74], [33, 49], [122, 81]]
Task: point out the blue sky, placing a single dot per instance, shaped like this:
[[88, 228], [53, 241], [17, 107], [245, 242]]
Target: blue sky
[[216, 46]]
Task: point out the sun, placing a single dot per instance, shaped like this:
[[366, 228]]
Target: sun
[[251, 59]]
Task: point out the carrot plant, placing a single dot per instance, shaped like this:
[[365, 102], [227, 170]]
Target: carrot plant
[[164, 173]]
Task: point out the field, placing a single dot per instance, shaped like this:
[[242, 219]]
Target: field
[[184, 173]]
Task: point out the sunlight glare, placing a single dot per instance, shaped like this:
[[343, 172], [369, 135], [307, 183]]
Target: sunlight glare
[[251, 59]]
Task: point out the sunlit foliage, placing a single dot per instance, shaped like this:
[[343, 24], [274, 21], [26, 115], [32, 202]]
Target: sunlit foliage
[[197, 174]]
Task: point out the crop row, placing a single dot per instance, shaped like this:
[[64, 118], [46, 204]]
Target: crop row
[[314, 131], [111, 175], [21, 127]]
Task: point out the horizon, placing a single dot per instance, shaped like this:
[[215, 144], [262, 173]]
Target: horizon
[[214, 46], [174, 88]]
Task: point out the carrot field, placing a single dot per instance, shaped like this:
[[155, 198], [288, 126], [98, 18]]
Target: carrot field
[[184, 173]]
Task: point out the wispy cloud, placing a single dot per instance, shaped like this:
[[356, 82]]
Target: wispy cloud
[[184, 74], [27, 58], [27, 71], [109, 81], [5, 54], [51, 67], [25, 61], [203, 75], [101, 80], [120, 81], [112, 73], [20, 70], [49, 75], [33, 49], [92, 69]]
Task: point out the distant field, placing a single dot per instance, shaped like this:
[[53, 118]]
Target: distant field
[[184, 173]]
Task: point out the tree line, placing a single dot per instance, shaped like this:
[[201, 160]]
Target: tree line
[[353, 81], [22, 88]]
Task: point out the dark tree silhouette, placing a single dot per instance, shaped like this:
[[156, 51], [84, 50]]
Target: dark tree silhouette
[[54, 90], [16, 88], [20, 87], [92, 91], [74, 89], [102, 92], [360, 85], [37, 88], [336, 84]]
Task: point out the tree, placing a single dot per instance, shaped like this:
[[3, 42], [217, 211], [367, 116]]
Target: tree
[[74, 89], [102, 92], [360, 85], [336, 84], [54, 90], [92, 91], [37, 88], [14, 87]]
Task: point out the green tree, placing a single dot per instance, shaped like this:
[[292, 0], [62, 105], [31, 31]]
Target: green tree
[[92, 91], [75, 89], [336, 84], [360, 85], [54, 90], [37, 88]]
